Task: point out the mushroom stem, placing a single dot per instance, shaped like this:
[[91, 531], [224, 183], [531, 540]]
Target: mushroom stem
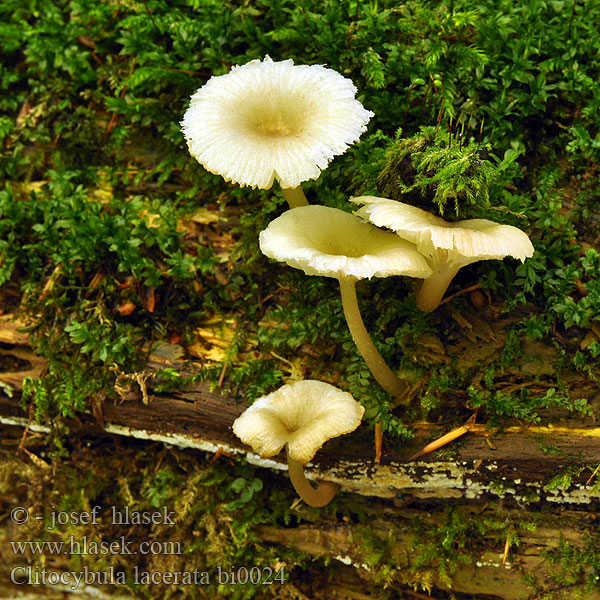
[[317, 497], [431, 291], [295, 197], [386, 378]]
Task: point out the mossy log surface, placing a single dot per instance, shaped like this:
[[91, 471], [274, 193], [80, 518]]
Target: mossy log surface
[[492, 473], [521, 458]]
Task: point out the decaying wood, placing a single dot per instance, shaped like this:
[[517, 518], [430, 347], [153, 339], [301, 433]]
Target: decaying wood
[[513, 465], [519, 457], [486, 576]]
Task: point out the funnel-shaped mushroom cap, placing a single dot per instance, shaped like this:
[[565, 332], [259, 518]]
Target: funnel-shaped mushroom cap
[[330, 242], [303, 415], [271, 120], [465, 241]]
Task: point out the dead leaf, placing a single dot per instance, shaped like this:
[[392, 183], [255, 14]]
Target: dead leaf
[[126, 309], [204, 216]]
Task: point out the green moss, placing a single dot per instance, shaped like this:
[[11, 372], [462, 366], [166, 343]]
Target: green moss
[[498, 108], [576, 567], [209, 524], [426, 552], [92, 108], [432, 168]]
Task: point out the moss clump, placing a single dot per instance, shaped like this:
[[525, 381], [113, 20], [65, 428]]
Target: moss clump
[[205, 514], [434, 171], [575, 568]]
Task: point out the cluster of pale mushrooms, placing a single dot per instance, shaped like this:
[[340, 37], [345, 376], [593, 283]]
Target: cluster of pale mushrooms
[[269, 120]]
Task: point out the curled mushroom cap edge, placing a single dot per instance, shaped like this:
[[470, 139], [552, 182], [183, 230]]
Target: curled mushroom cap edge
[[447, 246], [301, 416]]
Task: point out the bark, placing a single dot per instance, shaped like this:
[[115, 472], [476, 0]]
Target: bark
[[502, 473]]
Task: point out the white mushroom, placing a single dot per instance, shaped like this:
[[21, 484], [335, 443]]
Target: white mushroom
[[327, 241], [447, 246], [301, 416], [270, 120]]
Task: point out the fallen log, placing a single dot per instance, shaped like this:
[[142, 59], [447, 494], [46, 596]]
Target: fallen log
[[543, 474]]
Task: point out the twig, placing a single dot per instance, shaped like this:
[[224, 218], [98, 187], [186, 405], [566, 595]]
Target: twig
[[446, 439], [596, 470], [506, 546], [378, 443], [476, 286], [222, 375]]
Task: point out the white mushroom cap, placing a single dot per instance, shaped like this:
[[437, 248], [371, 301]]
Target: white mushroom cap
[[270, 120], [327, 241], [464, 241], [303, 415]]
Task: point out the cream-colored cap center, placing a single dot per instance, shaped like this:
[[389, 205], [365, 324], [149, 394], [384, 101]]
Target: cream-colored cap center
[[266, 116]]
